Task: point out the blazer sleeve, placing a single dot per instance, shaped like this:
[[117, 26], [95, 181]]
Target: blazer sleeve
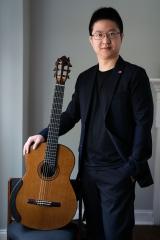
[[142, 108], [69, 117]]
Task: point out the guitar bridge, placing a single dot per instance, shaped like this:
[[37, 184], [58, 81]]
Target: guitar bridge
[[44, 203]]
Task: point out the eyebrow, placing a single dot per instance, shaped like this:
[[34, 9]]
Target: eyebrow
[[110, 30]]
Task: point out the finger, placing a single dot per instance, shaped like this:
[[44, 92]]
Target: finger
[[26, 148], [37, 142], [27, 145]]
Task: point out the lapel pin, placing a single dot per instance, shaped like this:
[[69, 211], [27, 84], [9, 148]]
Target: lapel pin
[[120, 71]]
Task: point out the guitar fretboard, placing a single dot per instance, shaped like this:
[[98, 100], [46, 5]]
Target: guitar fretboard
[[53, 129]]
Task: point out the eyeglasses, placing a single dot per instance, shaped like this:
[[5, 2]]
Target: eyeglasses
[[101, 35]]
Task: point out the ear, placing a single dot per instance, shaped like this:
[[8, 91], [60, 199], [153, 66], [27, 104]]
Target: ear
[[122, 35]]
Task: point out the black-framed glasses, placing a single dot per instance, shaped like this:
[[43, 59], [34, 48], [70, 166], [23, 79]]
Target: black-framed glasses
[[100, 35]]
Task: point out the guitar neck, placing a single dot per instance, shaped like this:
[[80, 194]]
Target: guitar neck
[[53, 129]]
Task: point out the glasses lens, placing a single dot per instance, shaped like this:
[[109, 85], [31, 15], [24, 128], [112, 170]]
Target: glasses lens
[[98, 35], [101, 35], [112, 35]]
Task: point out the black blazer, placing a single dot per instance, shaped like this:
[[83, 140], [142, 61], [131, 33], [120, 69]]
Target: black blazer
[[128, 108]]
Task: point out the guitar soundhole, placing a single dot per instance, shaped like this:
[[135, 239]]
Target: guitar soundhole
[[47, 171]]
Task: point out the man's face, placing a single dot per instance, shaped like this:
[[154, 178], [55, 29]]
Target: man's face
[[106, 39]]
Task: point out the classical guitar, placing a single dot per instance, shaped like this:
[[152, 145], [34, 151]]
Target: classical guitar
[[46, 199]]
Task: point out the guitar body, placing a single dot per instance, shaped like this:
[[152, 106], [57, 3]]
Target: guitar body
[[47, 201]]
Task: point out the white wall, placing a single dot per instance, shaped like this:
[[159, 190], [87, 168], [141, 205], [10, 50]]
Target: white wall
[[11, 75], [58, 28], [13, 69]]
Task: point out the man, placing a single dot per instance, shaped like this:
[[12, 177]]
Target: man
[[114, 103]]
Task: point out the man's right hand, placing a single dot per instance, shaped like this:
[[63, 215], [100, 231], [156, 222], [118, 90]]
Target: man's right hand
[[35, 140]]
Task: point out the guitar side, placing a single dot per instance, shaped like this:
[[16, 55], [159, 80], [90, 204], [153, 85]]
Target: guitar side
[[47, 203]]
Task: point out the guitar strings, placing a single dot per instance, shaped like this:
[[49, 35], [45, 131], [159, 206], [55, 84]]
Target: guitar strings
[[44, 166], [51, 151], [56, 124], [45, 170], [59, 93]]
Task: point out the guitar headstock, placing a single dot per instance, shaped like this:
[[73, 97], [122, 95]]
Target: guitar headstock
[[62, 70]]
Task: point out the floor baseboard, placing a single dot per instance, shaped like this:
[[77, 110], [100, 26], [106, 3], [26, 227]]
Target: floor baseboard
[[3, 234], [144, 217]]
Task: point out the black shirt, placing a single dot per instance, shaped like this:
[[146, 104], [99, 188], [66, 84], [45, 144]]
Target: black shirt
[[99, 149]]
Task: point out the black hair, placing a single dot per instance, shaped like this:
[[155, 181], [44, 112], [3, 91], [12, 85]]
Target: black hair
[[107, 13]]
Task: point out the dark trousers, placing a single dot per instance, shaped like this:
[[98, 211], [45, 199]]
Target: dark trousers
[[109, 203]]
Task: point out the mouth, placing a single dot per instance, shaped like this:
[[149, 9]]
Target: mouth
[[106, 48]]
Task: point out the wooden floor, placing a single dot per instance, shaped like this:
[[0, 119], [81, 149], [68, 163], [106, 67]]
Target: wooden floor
[[141, 232], [147, 232]]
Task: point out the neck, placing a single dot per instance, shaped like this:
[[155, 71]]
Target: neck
[[107, 64]]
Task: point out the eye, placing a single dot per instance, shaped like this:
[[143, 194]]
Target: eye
[[99, 34], [112, 34]]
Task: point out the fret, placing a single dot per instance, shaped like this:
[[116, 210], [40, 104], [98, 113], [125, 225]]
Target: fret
[[52, 150], [57, 106], [53, 126], [57, 84], [53, 115], [55, 120], [53, 130], [52, 136], [49, 148], [53, 147], [59, 92], [57, 114], [52, 141], [57, 109], [51, 164], [51, 153], [58, 95], [52, 133], [52, 157]]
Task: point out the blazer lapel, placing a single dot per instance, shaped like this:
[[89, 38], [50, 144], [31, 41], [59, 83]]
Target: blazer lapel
[[108, 92]]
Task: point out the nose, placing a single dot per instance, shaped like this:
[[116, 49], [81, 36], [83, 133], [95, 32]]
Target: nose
[[106, 39]]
